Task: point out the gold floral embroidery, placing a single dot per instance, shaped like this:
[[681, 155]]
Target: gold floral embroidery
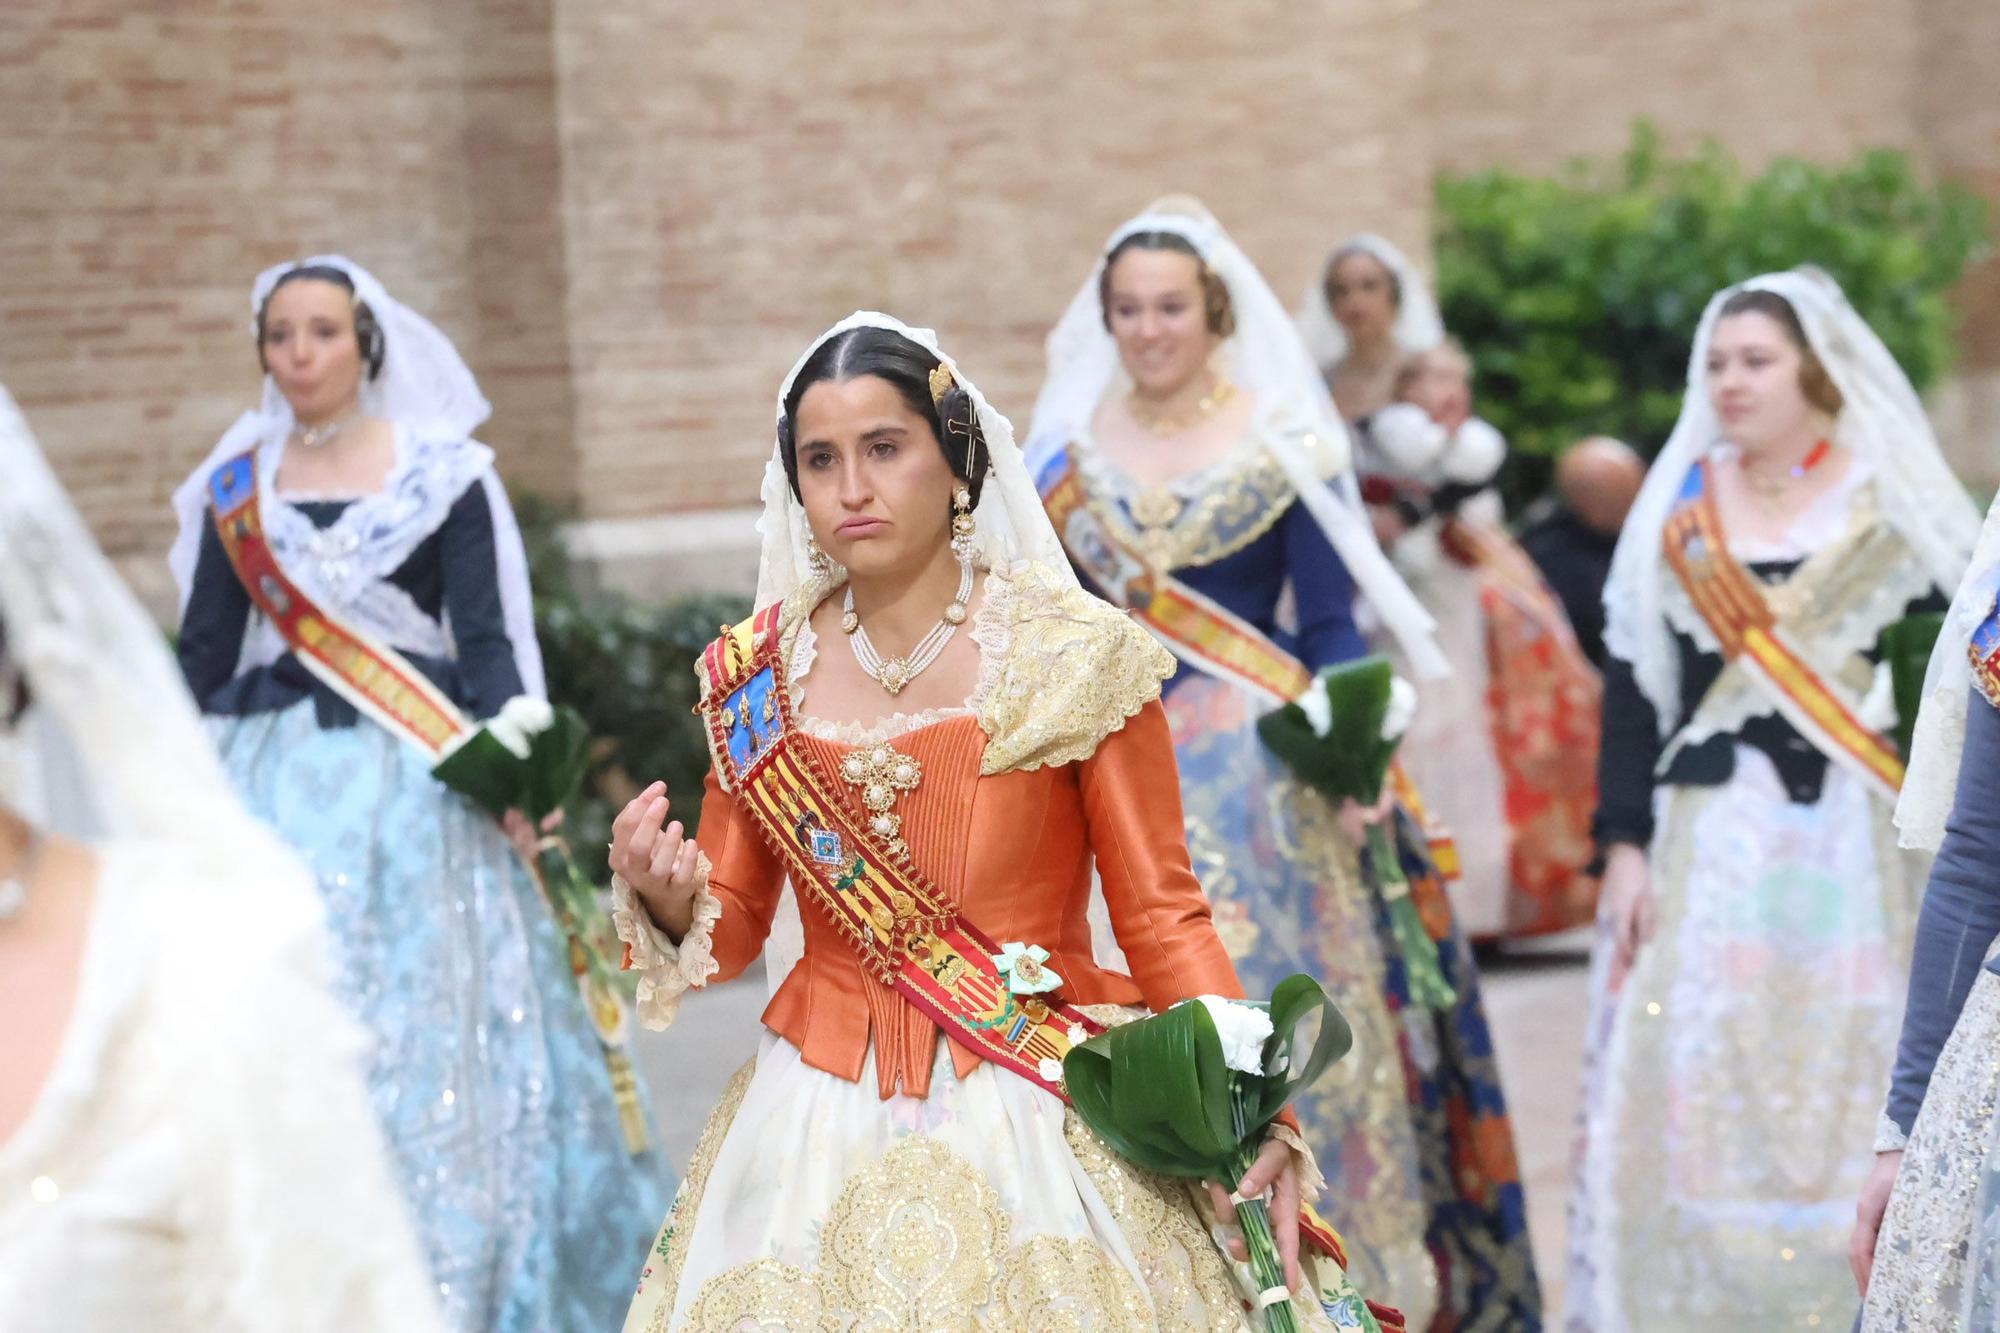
[[1068, 1286], [914, 1241], [1184, 1274], [1062, 670], [660, 1280], [1197, 520], [766, 1295]]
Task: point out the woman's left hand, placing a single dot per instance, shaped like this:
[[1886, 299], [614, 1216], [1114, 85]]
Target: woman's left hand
[[523, 835], [1356, 819], [1271, 1171]]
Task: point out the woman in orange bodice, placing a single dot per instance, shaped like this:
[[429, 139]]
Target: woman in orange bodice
[[967, 716]]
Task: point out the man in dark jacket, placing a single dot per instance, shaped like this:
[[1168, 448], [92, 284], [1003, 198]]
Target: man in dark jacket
[[1597, 480]]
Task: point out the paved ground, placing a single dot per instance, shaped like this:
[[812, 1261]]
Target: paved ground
[[1534, 998]]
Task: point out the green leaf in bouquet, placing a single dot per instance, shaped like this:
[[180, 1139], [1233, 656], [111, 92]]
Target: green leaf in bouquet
[[1906, 647], [485, 772], [558, 757], [1157, 1091], [1297, 998], [1350, 760]]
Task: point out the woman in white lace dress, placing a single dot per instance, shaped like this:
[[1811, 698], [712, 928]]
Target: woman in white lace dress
[[185, 1138], [1756, 916]]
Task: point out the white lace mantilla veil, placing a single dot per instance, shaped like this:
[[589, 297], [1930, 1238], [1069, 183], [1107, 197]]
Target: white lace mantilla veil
[[1012, 527], [1266, 357], [110, 716], [424, 387], [1418, 326], [1932, 781], [1882, 421]]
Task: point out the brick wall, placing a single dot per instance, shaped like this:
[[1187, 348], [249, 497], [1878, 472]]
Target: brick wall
[[632, 214], [157, 156], [737, 183]]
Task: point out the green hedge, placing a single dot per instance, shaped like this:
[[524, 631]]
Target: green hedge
[[1578, 294], [629, 669]]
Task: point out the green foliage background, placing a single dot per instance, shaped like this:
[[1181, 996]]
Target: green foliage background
[[629, 670], [1578, 294]]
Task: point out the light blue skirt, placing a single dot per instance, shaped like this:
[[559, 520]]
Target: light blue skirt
[[486, 1071]]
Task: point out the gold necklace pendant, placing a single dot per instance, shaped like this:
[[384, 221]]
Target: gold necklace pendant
[[1166, 424], [893, 675]]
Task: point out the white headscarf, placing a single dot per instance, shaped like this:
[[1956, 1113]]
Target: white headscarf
[[1932, 781], [1418, 326], [1268, 360], [1012, 527], [426, 389], [1881, 420], [110, 721]]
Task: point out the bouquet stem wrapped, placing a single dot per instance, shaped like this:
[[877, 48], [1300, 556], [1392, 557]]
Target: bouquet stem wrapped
[[1339, 737], [531, 757], [1191, 1093]]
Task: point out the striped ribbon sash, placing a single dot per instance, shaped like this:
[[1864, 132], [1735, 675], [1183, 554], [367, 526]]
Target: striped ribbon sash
[[1732, 604], [899, 924]]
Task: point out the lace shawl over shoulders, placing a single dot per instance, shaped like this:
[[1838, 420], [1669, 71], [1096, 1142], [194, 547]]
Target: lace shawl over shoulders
[[1059, 669]]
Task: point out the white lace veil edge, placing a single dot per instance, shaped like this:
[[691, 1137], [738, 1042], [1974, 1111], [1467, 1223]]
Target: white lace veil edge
[[1301, 429], [424, 386], [1419, 327], [1931, 785], [1882, 421], [1012, 527], [113, 746]]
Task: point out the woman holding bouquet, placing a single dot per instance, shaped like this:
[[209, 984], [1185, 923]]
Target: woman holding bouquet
[[1197, 473], [1756, 914], [352, 581], [930, 734]]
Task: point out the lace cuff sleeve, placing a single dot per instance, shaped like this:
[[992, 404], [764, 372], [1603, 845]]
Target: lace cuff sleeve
[[1312, 1181], [666, 970], [1889, 1136]]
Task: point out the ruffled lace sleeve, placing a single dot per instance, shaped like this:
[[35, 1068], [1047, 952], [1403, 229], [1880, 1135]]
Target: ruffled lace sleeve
[[1061, 670], [666, 970]]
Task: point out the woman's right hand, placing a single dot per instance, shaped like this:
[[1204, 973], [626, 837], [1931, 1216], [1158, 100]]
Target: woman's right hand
[[1627, 892], [657, 859], [1875, 1192]]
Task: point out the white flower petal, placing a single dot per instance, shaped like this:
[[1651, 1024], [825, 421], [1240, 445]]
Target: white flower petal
[[1402, 708], [1243, 1030], [509, 735], [529, 715], [1317, 708]]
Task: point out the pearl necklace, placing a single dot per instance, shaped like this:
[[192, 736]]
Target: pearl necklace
[[14, 887], [894, 673], [318, 437]]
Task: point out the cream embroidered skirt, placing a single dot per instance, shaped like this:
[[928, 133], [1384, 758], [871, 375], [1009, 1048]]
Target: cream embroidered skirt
[[811, 1203]]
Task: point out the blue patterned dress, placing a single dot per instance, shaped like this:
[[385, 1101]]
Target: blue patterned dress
[[1411, 1128], [486, 1070]]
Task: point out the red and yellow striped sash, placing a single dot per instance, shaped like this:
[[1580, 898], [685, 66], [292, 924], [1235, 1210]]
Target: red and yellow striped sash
[[1200, 632], [371, 675], [1733, 606], [901, 926]]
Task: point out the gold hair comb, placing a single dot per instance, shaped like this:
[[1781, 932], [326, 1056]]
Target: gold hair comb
[[941, 383]]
